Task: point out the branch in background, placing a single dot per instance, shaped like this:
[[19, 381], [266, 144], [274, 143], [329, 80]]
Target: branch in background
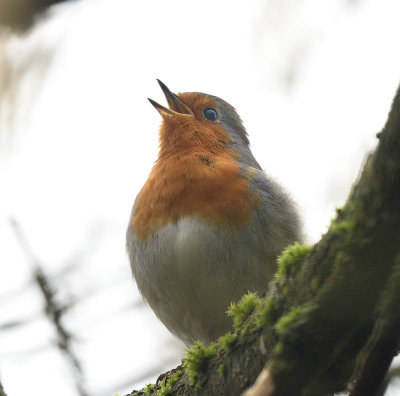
[[20, 15], [54, 311], [17, 67]]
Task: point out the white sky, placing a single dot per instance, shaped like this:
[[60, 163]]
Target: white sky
[[85, 139]]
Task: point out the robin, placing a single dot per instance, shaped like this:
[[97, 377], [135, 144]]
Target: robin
[[208, 224]]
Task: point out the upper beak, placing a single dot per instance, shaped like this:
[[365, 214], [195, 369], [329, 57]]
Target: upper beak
[[174, 103]]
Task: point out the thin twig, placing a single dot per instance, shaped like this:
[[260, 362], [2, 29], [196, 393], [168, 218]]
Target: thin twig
[[54, 311]]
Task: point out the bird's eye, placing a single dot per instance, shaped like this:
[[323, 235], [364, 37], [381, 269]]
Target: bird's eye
[[210, 113]]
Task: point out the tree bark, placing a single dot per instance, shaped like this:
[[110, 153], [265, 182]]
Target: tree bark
[[330, 319]]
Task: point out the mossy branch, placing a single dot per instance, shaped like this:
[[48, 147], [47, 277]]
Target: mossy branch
[[330, 315]]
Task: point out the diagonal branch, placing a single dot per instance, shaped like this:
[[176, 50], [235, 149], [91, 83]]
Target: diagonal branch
[[321, 309]]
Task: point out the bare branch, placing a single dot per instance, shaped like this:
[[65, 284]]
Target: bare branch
[[54, 311]]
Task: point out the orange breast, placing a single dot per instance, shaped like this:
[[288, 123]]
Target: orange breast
[[210, 187]]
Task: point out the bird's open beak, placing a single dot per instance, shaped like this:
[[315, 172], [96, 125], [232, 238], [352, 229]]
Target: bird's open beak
[[174, 103]]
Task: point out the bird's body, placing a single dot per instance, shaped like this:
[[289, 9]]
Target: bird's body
[[208, 224]]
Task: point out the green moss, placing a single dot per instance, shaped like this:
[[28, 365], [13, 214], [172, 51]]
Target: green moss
[[174, 377], [149, 388], [196, 359], [226, 341], [287, 320], [167, 384], [342, 227], [164, 390], [292, 255], [277, 349], [266, 313], [279, 364], [241, 310], [341, 258], [315, 282], [221, 369]]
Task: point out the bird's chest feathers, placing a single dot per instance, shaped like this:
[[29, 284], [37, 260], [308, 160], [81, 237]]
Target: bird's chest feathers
[[209, 187]]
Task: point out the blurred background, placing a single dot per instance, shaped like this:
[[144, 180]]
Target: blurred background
[[313, 82]]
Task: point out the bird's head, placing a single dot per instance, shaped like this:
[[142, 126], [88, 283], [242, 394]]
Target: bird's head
[[197, 119]]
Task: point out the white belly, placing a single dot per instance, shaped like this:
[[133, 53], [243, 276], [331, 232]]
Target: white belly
[[190, 271]]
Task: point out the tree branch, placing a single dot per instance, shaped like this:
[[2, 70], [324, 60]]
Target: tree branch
[[321, 309], [53, 310]]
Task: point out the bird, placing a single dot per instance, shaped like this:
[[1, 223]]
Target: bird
[[208, 224]]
